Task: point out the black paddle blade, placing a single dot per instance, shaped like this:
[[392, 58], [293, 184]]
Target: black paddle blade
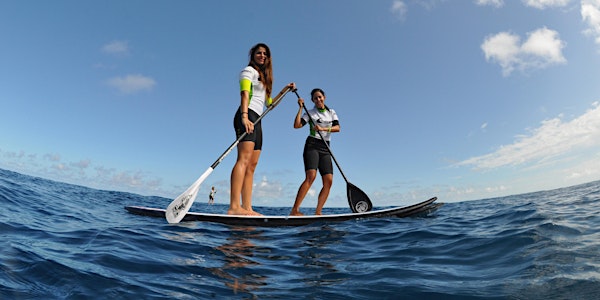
[[358, 200]]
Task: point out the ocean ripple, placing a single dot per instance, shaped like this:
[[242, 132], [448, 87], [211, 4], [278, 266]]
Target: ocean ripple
[[62, 241]]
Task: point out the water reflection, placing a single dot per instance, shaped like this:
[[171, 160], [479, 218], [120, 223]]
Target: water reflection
[[320, 257], [238, 253], [253, 258]]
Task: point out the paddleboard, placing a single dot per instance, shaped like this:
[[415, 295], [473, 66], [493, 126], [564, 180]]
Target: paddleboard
[[273, 221]]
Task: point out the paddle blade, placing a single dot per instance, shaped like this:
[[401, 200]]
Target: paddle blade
[[358, 200], [182, 204]]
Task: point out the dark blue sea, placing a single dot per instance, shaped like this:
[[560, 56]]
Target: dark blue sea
[[61, 241]]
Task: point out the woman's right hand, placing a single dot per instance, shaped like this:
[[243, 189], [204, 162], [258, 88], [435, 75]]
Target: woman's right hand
[[249, 125]]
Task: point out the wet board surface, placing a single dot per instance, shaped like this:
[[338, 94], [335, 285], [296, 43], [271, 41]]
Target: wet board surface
[[273, 221]]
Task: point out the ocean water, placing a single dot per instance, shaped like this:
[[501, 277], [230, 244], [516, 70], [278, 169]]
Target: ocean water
[[61, 241]]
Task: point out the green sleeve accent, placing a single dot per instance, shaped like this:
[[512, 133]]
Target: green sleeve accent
[[245, 85]]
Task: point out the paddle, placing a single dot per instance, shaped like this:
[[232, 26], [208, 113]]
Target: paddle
[[182, 204], [358, 200]]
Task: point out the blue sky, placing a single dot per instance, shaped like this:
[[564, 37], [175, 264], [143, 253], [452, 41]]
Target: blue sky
[[462, 100]]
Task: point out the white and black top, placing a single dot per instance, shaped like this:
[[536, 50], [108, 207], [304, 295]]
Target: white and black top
[[324, 118], [257, 89]]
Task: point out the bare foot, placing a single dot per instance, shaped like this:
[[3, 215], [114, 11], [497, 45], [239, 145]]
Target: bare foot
[[239, 212], [296, 213], [253, 213]]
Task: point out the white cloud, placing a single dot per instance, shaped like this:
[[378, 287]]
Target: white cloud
[[590, 13], [14, 155], [586, 169], [552, 139], [82, 164], [542, 4], [399, 9], [495, 189], [60, 167], [52, 157], [267, 189], [504, 49], [542, 48], [116, 48], [546, 45], [429, 4], [539, 4], [495, 3], [127, 178], [83, 172], [132, 83]]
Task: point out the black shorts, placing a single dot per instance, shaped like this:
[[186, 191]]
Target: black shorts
[[317, 156], [255, 136]]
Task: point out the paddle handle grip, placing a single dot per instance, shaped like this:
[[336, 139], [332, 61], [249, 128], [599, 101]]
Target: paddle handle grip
[[279, 96]]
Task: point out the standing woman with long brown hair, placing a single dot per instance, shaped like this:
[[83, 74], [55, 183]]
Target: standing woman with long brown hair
[[256, 83]]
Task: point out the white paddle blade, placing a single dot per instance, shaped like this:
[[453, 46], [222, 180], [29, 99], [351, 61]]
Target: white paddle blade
[[182, 204]]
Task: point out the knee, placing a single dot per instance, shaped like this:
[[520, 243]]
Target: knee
[[310, 177], [251, 166], [250, 170], [243, 161]]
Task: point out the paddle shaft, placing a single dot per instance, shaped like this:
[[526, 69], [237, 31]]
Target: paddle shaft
[[182, 204], [321, 135]]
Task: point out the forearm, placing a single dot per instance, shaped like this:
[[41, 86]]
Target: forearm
[[298, 118], [335, 128], [244, 102]]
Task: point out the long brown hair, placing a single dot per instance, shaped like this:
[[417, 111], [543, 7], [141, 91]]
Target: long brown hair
[[266, 70]]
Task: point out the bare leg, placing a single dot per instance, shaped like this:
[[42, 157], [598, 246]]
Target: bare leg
[[327, 182], [302, 191], [248, 182], [245, 150]]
